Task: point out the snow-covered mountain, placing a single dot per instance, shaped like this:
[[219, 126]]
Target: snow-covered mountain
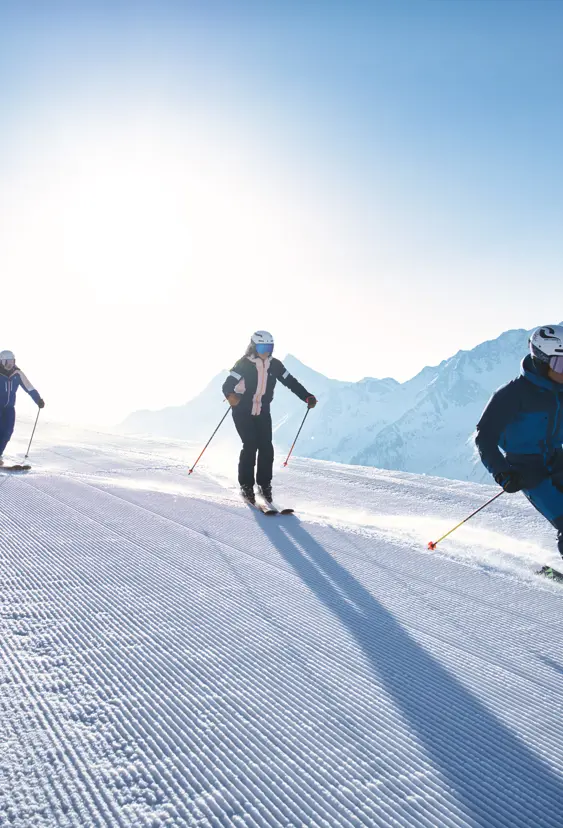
[[196, 419], [424, 425], [434, 434]]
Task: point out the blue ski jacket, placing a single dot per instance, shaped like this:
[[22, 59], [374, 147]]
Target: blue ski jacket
[[522, 426], [10, 381]]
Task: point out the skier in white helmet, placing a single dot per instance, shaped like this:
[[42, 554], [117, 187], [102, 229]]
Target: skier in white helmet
[[520, 434], [11, 378], [249, 388]]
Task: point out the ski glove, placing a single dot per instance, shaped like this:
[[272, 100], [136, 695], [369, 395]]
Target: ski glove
[[41, 403], [511, 481], [233, 399], [311, 401]]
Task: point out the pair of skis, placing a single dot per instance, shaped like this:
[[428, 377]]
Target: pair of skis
[[267, 508], [16, 467]]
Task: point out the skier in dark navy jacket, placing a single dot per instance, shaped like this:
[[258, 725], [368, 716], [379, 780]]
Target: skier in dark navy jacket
[[249, 388], [525, 419], [11, 378]]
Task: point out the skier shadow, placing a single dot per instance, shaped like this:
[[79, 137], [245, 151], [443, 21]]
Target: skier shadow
[[495, 777]]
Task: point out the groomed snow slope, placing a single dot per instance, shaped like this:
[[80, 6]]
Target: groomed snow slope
[[171, 658]]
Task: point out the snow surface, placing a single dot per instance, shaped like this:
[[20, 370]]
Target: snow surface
[[172, 658]]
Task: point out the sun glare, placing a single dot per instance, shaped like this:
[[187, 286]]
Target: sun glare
[[138, 214]]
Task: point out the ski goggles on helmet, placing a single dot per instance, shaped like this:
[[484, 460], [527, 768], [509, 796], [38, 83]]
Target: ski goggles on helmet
[[264, 348], [556, 364]]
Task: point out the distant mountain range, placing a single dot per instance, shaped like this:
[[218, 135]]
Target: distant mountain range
[[424, 425]]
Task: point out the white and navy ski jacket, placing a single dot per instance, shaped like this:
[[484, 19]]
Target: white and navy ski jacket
[[255, 380], [10, 381]]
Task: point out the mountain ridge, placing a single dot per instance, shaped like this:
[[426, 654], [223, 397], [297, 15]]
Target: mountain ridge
[[423, 425]]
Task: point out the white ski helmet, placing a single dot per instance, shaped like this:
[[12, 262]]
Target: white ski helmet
[[262, 338], [7, 359], [546, 345]]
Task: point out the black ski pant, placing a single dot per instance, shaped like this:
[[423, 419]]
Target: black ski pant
[[256, 435]]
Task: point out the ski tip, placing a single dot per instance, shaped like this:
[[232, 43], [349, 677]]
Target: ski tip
[[432, 545]]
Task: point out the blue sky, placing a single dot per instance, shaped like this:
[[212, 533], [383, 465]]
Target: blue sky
[[379, 183]]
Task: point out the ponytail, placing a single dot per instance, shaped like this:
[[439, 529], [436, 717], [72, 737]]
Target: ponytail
[[250, 351]]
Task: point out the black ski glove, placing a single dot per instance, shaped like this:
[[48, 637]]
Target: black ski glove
[[41, 403], [511, 481], [311, 401]]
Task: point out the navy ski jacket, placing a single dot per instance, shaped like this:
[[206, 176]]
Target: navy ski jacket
[[10, 381], [251, 372], [524, 418]]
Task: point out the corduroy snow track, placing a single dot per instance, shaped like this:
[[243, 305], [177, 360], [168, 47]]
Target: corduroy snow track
[[172, 658]]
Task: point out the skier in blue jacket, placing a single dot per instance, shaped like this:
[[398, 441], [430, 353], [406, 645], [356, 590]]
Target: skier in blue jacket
[[11, 378], [524, 419]]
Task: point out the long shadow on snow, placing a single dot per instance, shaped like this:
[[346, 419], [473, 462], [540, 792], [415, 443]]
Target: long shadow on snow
[[495, 777]]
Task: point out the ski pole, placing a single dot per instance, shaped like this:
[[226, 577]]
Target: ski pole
[[210, 439], [434, 544], [32, 433], [298, 433]]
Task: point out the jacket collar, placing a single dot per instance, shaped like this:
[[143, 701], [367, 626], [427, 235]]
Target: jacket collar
[[257, 359], [528, 371]]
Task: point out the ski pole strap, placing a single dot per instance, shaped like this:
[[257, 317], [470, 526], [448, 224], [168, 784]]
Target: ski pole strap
[[296, 438], [434, 544], [210, 439]]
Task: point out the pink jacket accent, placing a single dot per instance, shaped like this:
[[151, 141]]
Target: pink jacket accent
[[262, 366]]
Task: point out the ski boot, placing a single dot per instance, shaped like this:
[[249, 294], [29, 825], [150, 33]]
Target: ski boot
[[247, 493], [266, 492]]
